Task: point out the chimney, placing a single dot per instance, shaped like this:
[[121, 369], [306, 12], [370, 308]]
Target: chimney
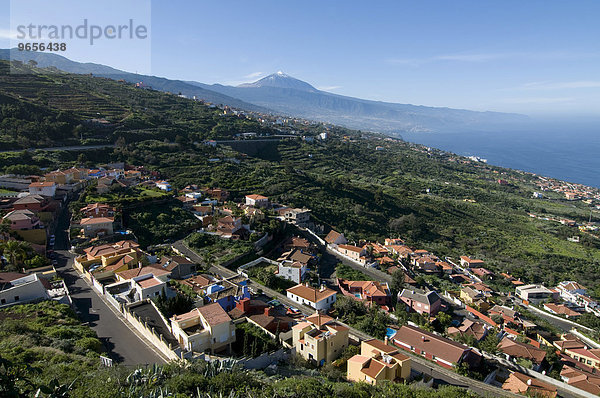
[[245, 304], [268, 311], [322, 289], [528, 382]]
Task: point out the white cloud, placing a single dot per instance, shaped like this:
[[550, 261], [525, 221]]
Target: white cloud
[[254, 75], [7, 34], [328, 88]]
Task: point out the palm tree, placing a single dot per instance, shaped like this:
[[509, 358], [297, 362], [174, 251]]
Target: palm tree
[[15, 251]]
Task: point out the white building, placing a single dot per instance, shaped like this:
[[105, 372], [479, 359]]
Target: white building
[[569, 290], [319, 299], [257, 200], [47, 188], [18, 288], [292, 270], [147, 286], [535, 294], [299, 217], [164, 185]]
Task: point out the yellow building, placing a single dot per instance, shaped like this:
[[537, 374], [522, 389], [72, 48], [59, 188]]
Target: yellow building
[[104, 260], [378, 362], [320, 339]]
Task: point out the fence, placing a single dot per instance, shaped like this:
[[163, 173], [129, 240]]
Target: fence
[[314, 235], [252, 263]]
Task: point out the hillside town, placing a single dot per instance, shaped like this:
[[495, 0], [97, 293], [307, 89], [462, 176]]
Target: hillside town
[[291, 291]]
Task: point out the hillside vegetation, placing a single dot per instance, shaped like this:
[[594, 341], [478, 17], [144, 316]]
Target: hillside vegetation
[[435, 200]]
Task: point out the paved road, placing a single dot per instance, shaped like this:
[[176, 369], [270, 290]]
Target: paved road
[[123, 345]]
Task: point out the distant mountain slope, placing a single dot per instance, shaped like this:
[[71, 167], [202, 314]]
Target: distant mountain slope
[[282, 94], [294, 97], [45, 60]]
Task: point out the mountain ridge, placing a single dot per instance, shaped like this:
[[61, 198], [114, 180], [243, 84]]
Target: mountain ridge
[[282, 94]]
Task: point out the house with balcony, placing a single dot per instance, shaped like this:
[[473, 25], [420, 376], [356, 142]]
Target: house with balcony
[[369, 292], [468, 262], [92, 227], [105, 260], [358, 254], [535, 293], [378, 362], [320, 339], [204, 329]]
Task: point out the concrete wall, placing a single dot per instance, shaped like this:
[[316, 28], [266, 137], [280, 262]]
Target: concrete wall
[[149, 333]]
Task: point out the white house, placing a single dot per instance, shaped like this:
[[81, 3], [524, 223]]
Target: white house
[[335, 238], [292, 270], [569, 290], [319, 299], [534, 293], [47, 188], [147, 286], [164, 185], [18, 288], [257, 200]]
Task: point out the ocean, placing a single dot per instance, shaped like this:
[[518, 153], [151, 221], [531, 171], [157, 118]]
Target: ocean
[[554, 152]]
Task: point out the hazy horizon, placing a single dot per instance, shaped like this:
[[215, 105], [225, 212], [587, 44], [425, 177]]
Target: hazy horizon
[[534, 58]]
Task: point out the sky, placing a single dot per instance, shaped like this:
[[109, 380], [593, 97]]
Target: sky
[[532, 57]]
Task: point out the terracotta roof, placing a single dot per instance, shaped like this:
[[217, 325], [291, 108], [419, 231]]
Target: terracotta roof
[[521, 350], [214, 314], [372, 368], [381, 346], [523, 384], [561, 309], [256, 197], [431, 343], [332, 236], [42, 184], [6, 277], [308, 293], [146, 283], [132, 273], [96, 220], [355, 249]]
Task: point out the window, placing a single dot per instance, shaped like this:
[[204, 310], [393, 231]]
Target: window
[[3, 301], [16, 298]]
